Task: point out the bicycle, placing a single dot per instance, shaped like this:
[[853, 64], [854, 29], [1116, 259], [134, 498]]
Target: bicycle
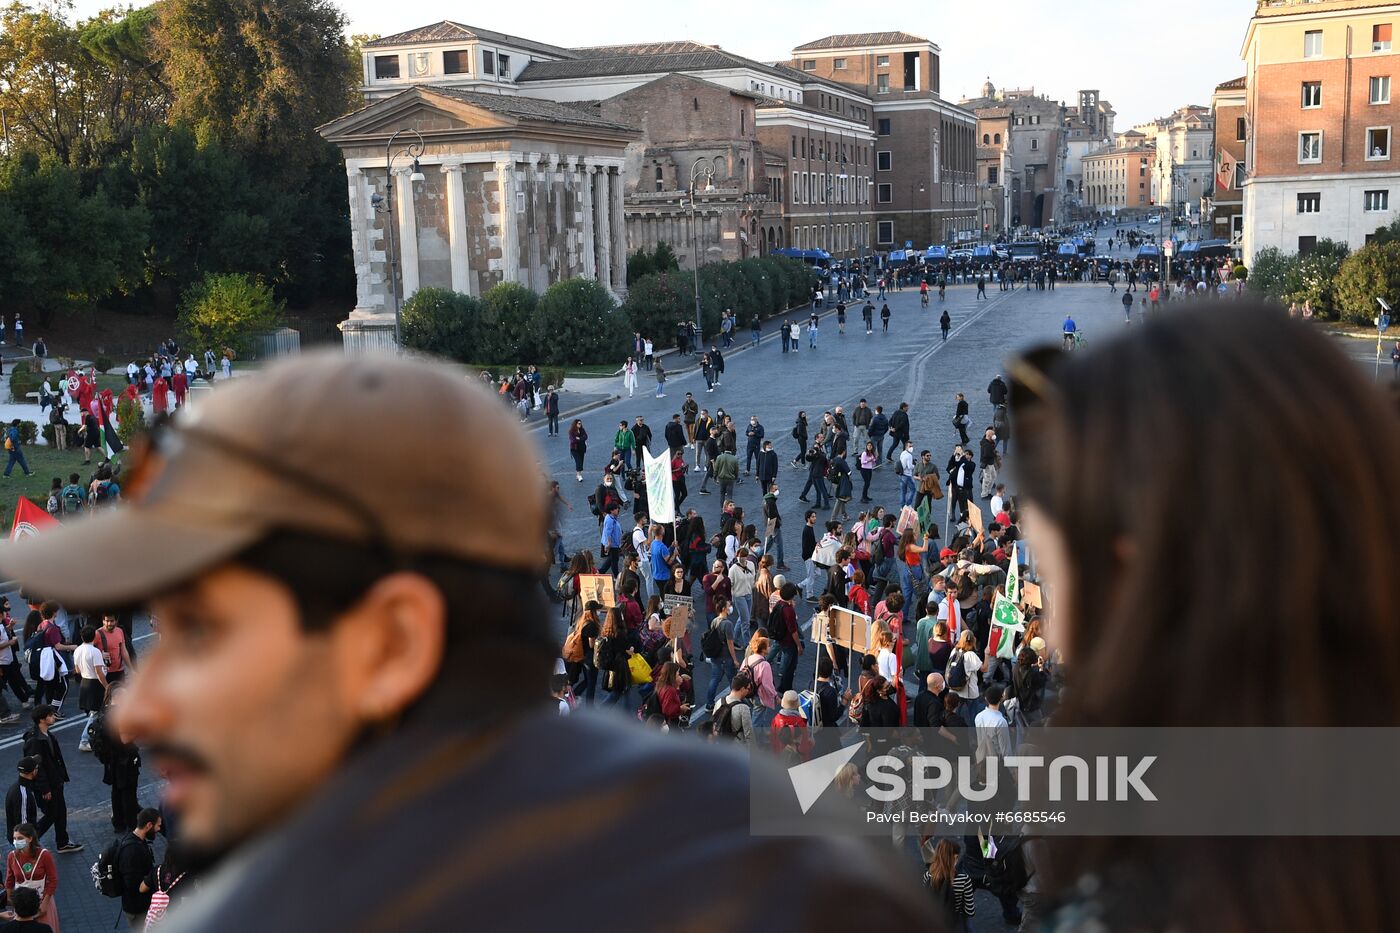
[[923, 299]]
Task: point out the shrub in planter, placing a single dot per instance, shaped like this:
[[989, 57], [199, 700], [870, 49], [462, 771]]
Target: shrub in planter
[[24, 380], [131, 420], [28, 431], [72, 432]]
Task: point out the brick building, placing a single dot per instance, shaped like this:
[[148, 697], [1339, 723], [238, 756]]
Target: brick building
[[925, 147], [825, 142], [1319, 120], [1227, 196]]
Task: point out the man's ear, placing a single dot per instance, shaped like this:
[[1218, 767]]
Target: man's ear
[[387, 650]]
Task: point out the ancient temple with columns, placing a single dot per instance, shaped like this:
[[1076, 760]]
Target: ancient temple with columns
[[513, 189]]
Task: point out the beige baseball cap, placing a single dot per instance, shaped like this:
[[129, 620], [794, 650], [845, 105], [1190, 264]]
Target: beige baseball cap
[[387, 450]]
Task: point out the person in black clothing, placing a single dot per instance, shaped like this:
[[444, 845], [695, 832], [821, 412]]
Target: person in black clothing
[[752, 450], [946, 322], [996, 391], [135, 859], [816, 476], [641, 433], [551, 410], [767, 465], [53, 774], [799, 434], [22, 801], [928, 705], [899, 430], [675, 435], [960, 472], [879, 715], [121, 771], [961, 417]]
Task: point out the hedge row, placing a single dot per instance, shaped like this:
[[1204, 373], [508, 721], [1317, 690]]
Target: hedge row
[[765, 287]]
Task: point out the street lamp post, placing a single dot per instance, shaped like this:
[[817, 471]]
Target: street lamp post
[[709, 174], [412, 150]]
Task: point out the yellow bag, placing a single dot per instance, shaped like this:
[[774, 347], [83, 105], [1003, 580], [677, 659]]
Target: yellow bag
[[639, 669]]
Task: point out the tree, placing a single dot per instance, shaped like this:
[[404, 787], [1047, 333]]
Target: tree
[[577, 321], [656, 302], [442, 322], [75, 92], [86, 245], [227, 311], [663, 258], [508, 312], [261, 75], [1390, 233], [1371, 272], [1314, 276], [1269, 275], [639, 264]]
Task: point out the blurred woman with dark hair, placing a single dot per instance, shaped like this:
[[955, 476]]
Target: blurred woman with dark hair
[[1171, 487]]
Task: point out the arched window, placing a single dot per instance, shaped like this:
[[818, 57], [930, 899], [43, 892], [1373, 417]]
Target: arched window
[[695, 102], [986, 139], [660, 182], [996, 138], [744, 170]]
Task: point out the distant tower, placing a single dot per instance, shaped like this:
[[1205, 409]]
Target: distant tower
[[1089, 110], [988, 89]]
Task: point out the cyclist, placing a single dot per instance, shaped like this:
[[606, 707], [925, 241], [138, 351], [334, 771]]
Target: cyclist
[[923, 293], [1070, 330]]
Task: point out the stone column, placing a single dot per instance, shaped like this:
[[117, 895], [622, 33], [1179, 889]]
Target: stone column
[[619, 234], [457, 230], [509, 227], [408, 231], [590, 256], [602, 208]]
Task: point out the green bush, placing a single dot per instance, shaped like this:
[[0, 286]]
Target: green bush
[[1271, 271], [227, 311], [28, 431], [72, 433], [507, 311], [577, 321], [1313, 279], [103, 363], [23, 380], [441, 322], [763, 286], [1371, 272], [131, 419]]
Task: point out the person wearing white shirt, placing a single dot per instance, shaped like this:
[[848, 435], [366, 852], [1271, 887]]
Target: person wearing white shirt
[[907, 489], [993, 733], [741, 579], [642, 545], [965, 653], [92, 668], [998, 500]]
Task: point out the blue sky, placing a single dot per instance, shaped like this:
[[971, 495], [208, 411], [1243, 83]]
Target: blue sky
[[1145, 59]]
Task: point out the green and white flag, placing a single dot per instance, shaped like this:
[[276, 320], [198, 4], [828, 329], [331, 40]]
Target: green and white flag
[[1007, 623], [661, 498], [1013, 577]]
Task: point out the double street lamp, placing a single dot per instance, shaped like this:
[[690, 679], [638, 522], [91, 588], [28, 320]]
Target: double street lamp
[[701, 168], [411, 151]]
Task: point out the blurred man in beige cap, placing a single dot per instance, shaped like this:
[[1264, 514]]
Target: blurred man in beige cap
[[347, 698]]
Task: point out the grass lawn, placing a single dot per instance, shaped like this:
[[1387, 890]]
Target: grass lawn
[[592, 372], [46, 464]]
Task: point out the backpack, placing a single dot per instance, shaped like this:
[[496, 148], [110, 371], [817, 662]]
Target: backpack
[[573, 645], [33, 649], [956, 672], [712, 642], [877, 549], [724, 720], [105, 876], [98, 739], [55, 504]]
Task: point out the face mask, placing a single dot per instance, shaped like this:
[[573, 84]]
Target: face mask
[[21, 845]]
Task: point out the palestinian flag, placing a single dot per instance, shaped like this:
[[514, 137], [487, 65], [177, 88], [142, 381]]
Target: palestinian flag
[[1007, 623]]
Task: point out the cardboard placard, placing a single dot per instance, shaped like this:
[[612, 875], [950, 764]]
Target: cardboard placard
[[1030, 596], [849, 629], [974, 517], [675, 625], [597, 587], [908, 518]]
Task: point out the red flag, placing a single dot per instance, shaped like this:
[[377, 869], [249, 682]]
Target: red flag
[[29, 520]]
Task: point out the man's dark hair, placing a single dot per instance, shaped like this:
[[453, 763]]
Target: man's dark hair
[[788, 591], [41, 712], [150, 816], [994, 695], [489, 610], [88, 634], [824, 665], [25, 902]]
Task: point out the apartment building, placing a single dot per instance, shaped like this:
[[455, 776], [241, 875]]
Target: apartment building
[[1319, 123]]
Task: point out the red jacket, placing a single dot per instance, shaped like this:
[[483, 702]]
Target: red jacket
[[797, 722]]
